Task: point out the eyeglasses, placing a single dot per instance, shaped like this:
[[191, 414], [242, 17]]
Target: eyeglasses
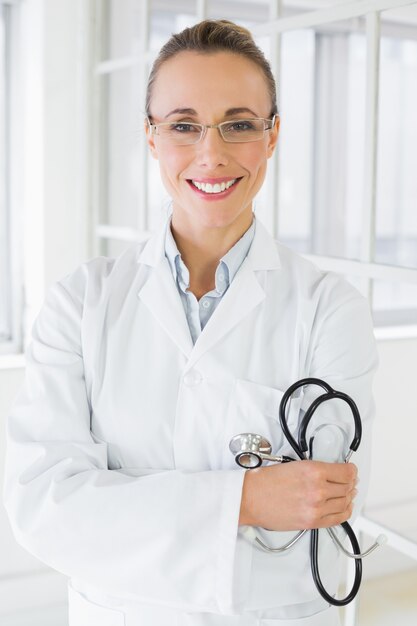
[[233, 131]]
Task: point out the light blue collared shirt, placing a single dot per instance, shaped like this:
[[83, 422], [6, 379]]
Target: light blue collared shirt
[[198, 312]]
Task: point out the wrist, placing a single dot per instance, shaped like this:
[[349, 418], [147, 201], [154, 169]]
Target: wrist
[[246, 516]]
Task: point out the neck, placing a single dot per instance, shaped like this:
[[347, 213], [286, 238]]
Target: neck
[[202, 248]]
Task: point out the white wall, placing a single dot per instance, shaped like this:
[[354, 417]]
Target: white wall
[[392, 496]]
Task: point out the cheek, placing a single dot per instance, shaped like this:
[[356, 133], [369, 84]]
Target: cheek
[[257, 168], [171, 165], [254, 160]]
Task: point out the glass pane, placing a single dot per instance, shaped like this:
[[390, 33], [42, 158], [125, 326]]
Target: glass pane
[[309, 5], [396, 223], [164, 23], [121, 162], [246, 13], [322, 88], [123, 27], [355, 134], [296, 95], [394, 303]]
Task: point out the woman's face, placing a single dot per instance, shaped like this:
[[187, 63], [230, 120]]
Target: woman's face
[[209, 89]]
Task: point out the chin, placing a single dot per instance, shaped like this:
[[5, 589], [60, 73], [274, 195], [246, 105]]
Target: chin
[[218, 221], [211, 216], [218, 217]]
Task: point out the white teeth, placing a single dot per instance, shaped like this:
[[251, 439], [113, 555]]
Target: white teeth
[[216, 188]]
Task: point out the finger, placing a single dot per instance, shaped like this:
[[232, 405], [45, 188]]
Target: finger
[[335, 519], [337, 490], [342, 473], [337, 506]]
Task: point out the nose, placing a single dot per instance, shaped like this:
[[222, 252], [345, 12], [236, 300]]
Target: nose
[[211, 150]]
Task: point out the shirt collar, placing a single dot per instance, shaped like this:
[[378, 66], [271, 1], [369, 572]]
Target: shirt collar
[[228, 264], [234, 258]]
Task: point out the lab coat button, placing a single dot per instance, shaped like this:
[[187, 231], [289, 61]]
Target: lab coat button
[[192, 378]]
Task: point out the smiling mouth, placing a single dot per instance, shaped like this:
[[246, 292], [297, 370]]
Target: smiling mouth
[[213, 188]]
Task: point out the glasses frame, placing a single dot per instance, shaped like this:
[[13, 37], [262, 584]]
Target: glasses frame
[[269, 124]]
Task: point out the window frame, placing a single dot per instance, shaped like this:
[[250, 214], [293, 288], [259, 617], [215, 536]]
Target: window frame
[[13, 342]]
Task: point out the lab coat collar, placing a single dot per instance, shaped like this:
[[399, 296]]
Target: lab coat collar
[[263, 253], [160, 293]]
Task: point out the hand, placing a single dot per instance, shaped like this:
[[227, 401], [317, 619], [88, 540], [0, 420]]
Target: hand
[[298, 495]]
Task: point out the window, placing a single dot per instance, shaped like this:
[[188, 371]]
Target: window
[[5, 286], [341, 189], [10, 288]]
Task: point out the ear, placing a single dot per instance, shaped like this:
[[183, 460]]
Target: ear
[[273, 137], [150, 139]]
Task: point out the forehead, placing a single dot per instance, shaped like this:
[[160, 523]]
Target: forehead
[[210, 83]]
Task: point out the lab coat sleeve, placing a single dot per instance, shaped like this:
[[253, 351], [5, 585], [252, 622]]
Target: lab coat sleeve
[[167, 538], [343, 353]]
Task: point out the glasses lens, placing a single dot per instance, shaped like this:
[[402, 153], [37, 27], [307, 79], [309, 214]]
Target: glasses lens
[[180, 133], [243, 130]]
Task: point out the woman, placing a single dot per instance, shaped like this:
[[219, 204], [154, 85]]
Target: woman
[[142, 368]]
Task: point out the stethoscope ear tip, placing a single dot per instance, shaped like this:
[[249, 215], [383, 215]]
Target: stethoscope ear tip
[[381, 540]]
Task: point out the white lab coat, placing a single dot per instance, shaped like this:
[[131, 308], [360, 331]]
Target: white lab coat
[[118, 471]]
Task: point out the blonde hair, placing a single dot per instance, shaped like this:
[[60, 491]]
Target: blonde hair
[[211, 36]]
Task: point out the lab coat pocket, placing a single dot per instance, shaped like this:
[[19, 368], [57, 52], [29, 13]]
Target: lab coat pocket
[[82, 612], [253, 408]]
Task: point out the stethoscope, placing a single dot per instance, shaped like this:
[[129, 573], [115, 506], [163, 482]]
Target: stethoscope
[[251, 450]]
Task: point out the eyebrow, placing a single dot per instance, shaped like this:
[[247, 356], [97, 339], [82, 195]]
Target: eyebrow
[[233, 111]]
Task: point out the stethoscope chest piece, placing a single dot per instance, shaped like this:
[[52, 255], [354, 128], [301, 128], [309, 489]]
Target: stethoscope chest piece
[[249, 449]]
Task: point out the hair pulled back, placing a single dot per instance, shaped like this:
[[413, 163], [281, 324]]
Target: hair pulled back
[[211, 36]]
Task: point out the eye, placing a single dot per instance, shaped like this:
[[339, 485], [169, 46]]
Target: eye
[[240, 126], [184, 127]]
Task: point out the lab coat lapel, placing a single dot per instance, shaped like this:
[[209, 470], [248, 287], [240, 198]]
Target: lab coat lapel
[[244, 294], [160, 294]]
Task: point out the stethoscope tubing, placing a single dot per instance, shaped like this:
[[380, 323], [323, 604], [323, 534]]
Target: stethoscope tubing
[[300, 447], [314, 561]]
